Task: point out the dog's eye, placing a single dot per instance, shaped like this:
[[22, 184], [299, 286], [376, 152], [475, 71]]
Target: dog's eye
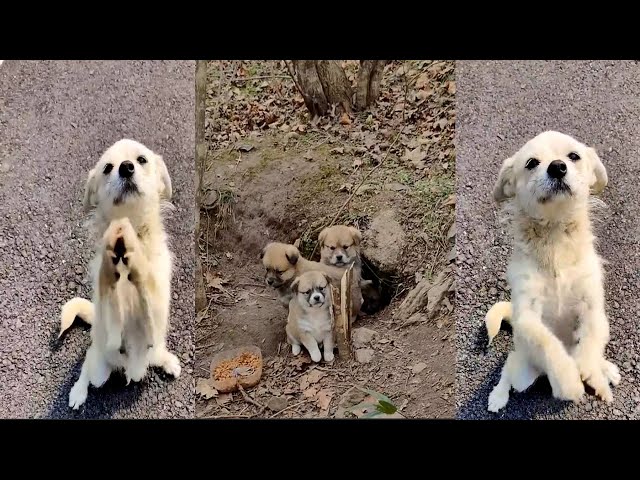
[[107, 169], [346, 246], [305, 293], [332, 248], [532, 163], [142, 160], [574, 156]]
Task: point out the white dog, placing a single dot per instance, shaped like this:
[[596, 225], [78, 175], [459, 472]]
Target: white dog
[[557, 309], [131, 269]]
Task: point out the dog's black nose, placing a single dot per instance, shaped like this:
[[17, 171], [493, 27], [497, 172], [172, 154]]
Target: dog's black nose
[[270, 281], [557, 169], [339, 258], [126, 169]]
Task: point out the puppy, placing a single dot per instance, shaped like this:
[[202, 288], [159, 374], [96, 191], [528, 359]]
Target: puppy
[[557, 309], [283, 264], [309, 322], [340, 246], [131, 269]]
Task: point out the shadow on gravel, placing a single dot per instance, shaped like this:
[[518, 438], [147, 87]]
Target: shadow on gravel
[[529, 405]]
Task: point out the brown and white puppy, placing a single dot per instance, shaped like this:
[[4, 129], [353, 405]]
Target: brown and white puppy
[[284, 263], [309, 322], [340, 246]]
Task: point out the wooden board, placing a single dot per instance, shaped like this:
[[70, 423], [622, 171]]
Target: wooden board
[[341, 313]]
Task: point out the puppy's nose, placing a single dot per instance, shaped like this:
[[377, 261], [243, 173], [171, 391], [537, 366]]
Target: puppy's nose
[[339, 258], [317, 297], [126, 169], [270, 281], [557, 169]]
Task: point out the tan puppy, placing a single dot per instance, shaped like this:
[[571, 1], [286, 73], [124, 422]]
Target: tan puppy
[[283, 264], [557, 309], [309, 321]]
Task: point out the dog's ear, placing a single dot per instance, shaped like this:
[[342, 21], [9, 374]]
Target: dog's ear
[[505, 185], [263, 252], [90, 191], [294, 285], [600, 179], [292, 254], [357, 236], [322, 236], [166, 189]]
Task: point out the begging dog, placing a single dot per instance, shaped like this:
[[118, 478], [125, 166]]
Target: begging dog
[[340, 246], [309, 322], [131, 269], [557, 309]]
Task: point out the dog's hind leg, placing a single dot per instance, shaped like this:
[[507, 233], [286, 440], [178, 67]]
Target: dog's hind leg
[[95, 371], [517, 373]]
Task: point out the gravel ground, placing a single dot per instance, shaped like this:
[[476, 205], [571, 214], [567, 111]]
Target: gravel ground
[[56, 118], [501, 105]]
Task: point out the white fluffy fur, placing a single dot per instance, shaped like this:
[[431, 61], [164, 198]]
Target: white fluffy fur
[[131, 314], [557, 308]]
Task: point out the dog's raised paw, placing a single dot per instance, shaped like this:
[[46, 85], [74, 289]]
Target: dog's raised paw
[[172, 365], [612, 372], [498, 399]]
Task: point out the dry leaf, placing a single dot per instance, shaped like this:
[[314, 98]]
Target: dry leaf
[[308, 155], [323, 398], [418, 367], [205, 389], [310, 392], [213, 281], [357, 162], [310, 378], [224, 398], [422, 81], [344, 119], [451, 87]]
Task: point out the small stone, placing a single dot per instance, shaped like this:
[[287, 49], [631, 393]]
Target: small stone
[[275, 404], [626, 365], [71, 286], [79, 270], [616, 305], [617, 412], [587, 407], [178, 404], [493, 291], [418, 367], [364, 355], [362, 336]]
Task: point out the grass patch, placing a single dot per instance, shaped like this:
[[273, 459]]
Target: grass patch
[[431, 195]]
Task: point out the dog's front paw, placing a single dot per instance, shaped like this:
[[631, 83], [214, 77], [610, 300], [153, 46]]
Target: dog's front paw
[[296, 349], [498, 398], [78, 395], [171, 365], [566, 383], [328, 356], [316, 356], [592, 372], [120, 239]]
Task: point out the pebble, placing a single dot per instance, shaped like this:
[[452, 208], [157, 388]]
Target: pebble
[[617, 412], [178, 403]]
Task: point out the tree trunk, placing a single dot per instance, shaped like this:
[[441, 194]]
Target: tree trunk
[[335, 84], [322, 83], [200, 154], [310, 87], [369, 80]]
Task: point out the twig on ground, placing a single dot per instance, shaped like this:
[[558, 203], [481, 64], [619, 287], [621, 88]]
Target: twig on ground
[[258, 77], [289, 408], [250, 400]]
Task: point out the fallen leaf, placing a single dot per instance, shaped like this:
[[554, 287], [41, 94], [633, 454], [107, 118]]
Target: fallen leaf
[[213, 281], [205, 389], [323, 398], [364, 188], [310, 392], [245, 147], [310, 378], [344, 119], [422, 81], [337, 150], [229, 255], [451, 87], [224, 398]]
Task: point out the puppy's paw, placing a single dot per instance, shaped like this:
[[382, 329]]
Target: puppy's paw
[[328, 356], [316, 356], [498, 399], [611, 371], [78, 395], [120, 240], [295, 349]]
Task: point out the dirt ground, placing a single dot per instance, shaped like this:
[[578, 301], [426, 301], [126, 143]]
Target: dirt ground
[[272, 175]]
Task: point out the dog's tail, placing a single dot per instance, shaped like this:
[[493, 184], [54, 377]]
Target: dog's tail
[[494, 317], [76, 307]]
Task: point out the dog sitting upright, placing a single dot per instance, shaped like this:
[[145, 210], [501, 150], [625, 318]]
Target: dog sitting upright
[[557, 309], [131, 269], [309, 321]]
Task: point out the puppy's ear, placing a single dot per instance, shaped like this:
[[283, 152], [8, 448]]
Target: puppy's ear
[[294, 285], [262, 252], [322, 236], [166, 189], [292, 254], [90, 191], [505, 185], [357, 236], [600, 179]]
